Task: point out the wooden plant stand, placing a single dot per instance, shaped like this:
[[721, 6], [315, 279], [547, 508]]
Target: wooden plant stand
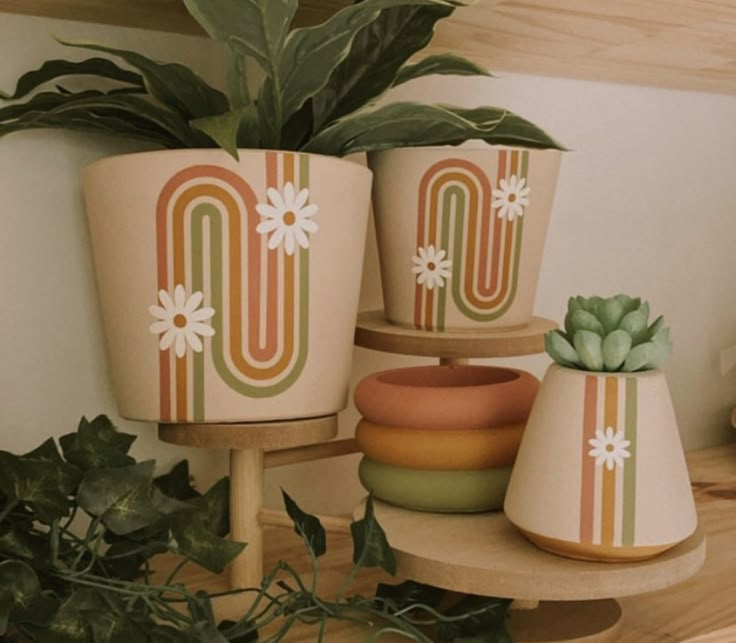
[[485, 554]]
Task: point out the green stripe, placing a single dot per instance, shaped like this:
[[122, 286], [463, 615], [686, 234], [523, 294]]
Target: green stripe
[[218, 349], [197, 358], [446, 217], [629, 507]]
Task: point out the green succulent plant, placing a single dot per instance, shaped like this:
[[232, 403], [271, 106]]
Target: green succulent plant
[[316, 92], [610, 335]]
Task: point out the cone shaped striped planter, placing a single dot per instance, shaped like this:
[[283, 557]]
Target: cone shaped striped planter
[[601, 473], [215, 276], [461, 233]]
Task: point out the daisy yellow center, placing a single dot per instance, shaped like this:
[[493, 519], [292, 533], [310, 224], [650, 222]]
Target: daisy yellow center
[[431, 265], [609, 447], [512, 198], [180, 320], [289, 218]]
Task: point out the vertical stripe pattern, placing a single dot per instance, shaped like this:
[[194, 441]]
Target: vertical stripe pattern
[[455, 214], [207, 242], [608, 494]]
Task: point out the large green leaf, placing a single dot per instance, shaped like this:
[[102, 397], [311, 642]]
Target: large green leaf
[[409, 593], [233, 129], [309, 58], [54, 69], [412, 124], [40, 479], [102, 488], [370, 545], [214, 507], [97, 444], [377, 53], [175, 85], [307, 526], [258, 28], [177, 482], [20, 582], [443, 64]]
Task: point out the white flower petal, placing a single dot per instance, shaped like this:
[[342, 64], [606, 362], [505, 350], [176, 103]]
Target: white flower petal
[[194, 301], [166, 300], [203, 329], [267, 226], [275, 239], [309, 211], [301, 238], [289, 244], [422, 253], [422, 277], [202, 314], [180, 297], [159, 312], [159, 326], [180, 344], [309, 226], [193, 340], [167, 339], [274, 196], [289, 195], [301, 198], [266, 210]]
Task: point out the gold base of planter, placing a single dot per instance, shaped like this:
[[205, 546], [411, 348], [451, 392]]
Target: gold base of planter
[[597, 553]]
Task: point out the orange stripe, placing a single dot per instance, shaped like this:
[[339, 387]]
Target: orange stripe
[[164, 388], [429, 310], [181, 388], [288, 167], [587, 493], [608, 504]]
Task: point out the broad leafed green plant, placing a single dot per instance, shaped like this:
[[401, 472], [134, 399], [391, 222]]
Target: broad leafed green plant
[[317, 91], [81, 529], [612, 334]]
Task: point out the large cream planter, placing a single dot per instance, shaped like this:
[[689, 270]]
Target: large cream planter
[[601, 473], [229, 288], [461, 233]]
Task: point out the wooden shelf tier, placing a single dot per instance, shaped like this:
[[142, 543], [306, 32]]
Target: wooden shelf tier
[[375, 332], [664, 43], [485, 554], [282, 434]]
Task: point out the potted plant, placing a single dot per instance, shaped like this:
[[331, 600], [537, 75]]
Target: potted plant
[[600, 473], [229, 264]]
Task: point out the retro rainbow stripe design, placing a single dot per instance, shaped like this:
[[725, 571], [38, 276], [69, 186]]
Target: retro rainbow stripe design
[[608, 497], [455, 214], [207, 241]]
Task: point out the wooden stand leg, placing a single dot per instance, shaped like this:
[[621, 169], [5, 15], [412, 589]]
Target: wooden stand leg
[[246, 500], [453, 361]]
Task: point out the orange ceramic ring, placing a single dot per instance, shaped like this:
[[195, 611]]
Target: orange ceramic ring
[[440, 449], [447, 397]]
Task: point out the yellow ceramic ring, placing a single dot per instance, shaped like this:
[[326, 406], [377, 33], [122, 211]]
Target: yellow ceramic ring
[[443, 491], [438, 449]]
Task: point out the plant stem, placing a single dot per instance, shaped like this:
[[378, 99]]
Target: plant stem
[[12, 504], [182, 563]]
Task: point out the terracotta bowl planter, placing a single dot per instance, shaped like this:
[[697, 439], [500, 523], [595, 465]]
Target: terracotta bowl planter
[[600, 473], [229, 289], [461, 233], [447, 397]]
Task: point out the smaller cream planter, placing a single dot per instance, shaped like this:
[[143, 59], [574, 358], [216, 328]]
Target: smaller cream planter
[[600, 473], [229, 289], [461, 233]]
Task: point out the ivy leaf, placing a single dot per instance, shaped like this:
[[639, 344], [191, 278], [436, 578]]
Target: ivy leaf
[[370, 545], [410, 593], [486, 617], [19, 581], [196, 542], [19, 543], [133, 511], [307, 526], [214, 507], [6, 606], [177, 482], [40, 479], [53, 69], [97, 444]]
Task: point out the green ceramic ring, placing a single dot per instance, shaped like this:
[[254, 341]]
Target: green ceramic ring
[[441, 491]]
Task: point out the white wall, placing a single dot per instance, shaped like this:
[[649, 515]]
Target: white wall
[[644, 206]]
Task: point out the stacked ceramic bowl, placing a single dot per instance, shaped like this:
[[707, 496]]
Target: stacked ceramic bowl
[[442, 438]]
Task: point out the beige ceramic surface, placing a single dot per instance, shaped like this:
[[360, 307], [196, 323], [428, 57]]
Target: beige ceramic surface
[[449, 199], [188, 217], [559, 491]]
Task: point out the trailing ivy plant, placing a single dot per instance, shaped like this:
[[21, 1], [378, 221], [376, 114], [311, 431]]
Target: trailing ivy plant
[[317, 91], [80, 530]]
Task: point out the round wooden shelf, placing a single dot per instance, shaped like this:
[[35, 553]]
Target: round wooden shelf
[[485, 554], [283, 434], [373, 331]]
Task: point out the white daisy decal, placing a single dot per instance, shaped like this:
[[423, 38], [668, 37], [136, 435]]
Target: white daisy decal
[[431, 267], [288, 217], [511, 198], [181, 321], [609, 448]]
